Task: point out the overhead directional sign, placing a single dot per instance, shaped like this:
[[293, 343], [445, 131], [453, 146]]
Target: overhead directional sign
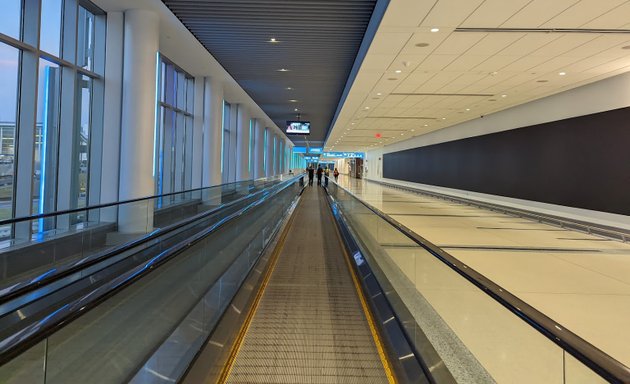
[[344, 155]]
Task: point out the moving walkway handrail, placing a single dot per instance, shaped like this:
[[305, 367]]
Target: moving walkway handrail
[[117, 203], [34, 333], [600, 362], [34, 283], [554, 220]]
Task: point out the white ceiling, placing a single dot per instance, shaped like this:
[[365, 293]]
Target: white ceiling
[[462, 75]]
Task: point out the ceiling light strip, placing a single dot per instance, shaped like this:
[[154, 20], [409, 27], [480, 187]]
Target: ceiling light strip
[[439, 94], [544, 30]]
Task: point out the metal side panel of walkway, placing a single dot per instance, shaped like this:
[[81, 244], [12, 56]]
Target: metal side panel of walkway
[[309, 325]]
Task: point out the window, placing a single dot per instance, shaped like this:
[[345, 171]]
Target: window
[[50, 33], [81, 142], [173, 150], [274, 155], [10, 18], [85, 39], [54, 114], [9, 57], [225, 142], [252, 141], [265, 151], [45, 160]]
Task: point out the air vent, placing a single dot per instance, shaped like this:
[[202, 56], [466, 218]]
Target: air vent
[[543, 30]]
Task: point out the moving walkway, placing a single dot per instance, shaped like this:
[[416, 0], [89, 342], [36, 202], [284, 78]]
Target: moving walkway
[[293, 285]]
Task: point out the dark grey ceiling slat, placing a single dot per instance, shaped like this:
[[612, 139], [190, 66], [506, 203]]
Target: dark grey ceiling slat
[[319, 41]]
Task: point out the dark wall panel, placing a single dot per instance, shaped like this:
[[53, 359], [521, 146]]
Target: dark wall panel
[[581, 162]]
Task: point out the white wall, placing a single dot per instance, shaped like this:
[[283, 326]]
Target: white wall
[[604, 95]]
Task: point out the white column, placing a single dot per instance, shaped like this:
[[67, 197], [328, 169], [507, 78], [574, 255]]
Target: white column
[[138, 119], [213, 111], [242, 143]]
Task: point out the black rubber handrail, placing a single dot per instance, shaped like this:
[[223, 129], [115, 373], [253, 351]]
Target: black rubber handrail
[[34, 333], [600, 362], [35, 283], [117, 203]]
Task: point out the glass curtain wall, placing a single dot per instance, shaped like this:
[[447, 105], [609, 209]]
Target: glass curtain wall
[[265, 150], [174, 129], [225, 142], [51, 89], [228, 145], [251, 146]]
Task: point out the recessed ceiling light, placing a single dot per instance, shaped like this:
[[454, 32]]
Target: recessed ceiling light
[[426, 125], [296, 109], [435, 30], [398, 71], [413, 130], [282, 70], [293, 101], [562, 73], [402, 134], [289, 88], [503, 95], [378, 94], [422, 45], [353, 123], [444, 118], [494, 73], [367, 108], [468, 109], [273, 40]]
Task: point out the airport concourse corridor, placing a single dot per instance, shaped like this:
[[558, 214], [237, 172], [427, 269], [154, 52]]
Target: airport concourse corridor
[[579, 280], [309, 326]]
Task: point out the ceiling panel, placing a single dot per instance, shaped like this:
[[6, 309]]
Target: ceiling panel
[[409, 14], [458, 43], [493, 13], [528, 43], [581, 13], [537, 12], [318, 41], [450, 13]]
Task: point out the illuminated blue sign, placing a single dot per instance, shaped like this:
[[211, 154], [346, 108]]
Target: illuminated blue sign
[[307, 150], [345, 155]]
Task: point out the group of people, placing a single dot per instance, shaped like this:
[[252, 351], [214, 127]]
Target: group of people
[[320, 172]]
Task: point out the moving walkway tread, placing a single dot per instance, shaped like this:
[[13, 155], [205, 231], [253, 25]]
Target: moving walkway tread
[[309, 325]]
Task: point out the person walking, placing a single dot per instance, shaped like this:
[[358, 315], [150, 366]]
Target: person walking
[[336, 174], [311, 171], [320, 172]]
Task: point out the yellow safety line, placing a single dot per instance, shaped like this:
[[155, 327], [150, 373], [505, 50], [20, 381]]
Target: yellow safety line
[[377, 340], [236, 347]]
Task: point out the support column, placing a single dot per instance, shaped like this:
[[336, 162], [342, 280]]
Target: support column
[[138, 119], [242, 144], [212, 116]]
